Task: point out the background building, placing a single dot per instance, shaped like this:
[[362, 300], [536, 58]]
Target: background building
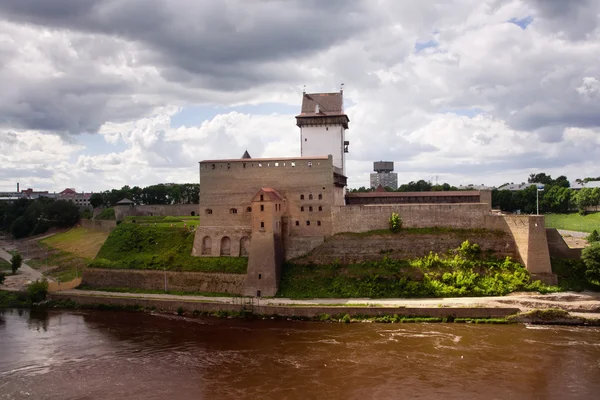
[[383, 175]]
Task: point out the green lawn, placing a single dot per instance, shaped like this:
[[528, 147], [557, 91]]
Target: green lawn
[[574, 222], [137, 246]]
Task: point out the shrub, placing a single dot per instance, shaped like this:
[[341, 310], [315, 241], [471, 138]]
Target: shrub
[[593, 237], [346, 319], [395, 222], [591, 258], [180, 311], [37, 291], [15, 262]]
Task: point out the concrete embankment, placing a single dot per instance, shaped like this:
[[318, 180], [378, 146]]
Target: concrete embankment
[[302, 311]]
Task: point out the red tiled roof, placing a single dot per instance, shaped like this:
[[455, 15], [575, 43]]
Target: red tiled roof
[[329, 104], [271, 194], [415, 194]]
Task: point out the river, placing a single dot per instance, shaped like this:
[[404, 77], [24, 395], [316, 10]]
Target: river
[[126, 355]]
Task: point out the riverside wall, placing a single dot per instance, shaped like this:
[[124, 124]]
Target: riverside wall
[[286, 311], [155, 280]]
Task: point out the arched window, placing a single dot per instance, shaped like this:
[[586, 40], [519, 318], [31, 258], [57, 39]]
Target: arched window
[[193, 213], [206, 245], [310, 197], [244, 246], [297, 223], [318, 223], [225, 246], [208, 211], [320, 196], [301, 197], [262, 224], [233, 211], [310, 208], [248, 209], [307, 223], [302, 208], [320, 208]]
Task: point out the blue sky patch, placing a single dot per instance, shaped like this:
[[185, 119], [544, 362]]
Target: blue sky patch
[[523, 23], [420, 46]]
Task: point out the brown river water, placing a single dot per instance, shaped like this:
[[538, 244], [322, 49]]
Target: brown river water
[[123, 355]]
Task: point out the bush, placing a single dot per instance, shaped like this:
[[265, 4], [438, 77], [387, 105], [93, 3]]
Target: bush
[[591, 258], [15, 262], [593, 237], [180, 311], [37, 291], [19, 228], [395, 222]]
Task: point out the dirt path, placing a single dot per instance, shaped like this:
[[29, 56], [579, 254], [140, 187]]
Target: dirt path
[[25, 275], [584, 303]]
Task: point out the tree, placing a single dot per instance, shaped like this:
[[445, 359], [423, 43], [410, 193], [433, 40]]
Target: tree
[[584, 199], [556, 199], [15, 262], [591, 258], [96, 200], [595, 198], [540, 178], [593, 237], [63, 214], [19, 228]]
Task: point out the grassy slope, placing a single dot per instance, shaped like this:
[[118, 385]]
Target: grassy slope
[[4, 265], [131, 246], [69, 252], [574, 222]]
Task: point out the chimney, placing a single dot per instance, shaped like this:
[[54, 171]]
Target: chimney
[[17, 187]]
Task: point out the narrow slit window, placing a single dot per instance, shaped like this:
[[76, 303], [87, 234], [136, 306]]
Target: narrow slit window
[[262, 224], [302, 208], [262, 207]]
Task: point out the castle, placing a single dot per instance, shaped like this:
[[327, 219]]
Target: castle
[[276, 209]]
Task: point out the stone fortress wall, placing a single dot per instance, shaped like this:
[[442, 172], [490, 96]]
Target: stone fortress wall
[[173, 210]]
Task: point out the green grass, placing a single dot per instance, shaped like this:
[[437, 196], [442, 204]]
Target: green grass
[[447, 275], [4, 265], [9, 299], [132, 246], [574, 222], [107, 214]]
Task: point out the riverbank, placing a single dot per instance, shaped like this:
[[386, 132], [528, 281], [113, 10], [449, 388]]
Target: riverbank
[[584, 307]]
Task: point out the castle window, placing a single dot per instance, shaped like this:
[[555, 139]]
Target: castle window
[[233, 211], [260, 164], [208, 211], [277, 164], [318, 223], [307, 223], [305, 139], [293, 163], [302, 208], [320, 208], [259, 276], [297, 223], [262, 224], [320, 196], [262, 207], [248, 209], [310, 197], [301, 197], [213, 166], [262, 197], [244, 165], [310, 163], [228, 165], [327, 128], [310, 208]]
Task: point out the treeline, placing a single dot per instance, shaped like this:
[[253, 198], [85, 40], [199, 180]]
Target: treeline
[[187, 193], [418, 186], [26, 217], [556, 196]]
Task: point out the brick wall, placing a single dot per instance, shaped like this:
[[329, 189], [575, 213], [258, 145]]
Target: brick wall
[[306, 312], [174, 210], [97, 224], [359, 218], [155, 280], [350, 248]]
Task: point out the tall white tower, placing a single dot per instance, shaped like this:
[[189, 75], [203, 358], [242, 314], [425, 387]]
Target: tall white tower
[[323, 125]]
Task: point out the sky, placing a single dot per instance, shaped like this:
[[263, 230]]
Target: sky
[[97, 94]]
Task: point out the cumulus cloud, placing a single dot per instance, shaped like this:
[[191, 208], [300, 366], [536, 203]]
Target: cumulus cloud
[[488, 90]]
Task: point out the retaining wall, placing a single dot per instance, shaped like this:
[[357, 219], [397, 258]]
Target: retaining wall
[[98, 224], [290, 311], [558, 247], [173, 210], [155, 280]]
